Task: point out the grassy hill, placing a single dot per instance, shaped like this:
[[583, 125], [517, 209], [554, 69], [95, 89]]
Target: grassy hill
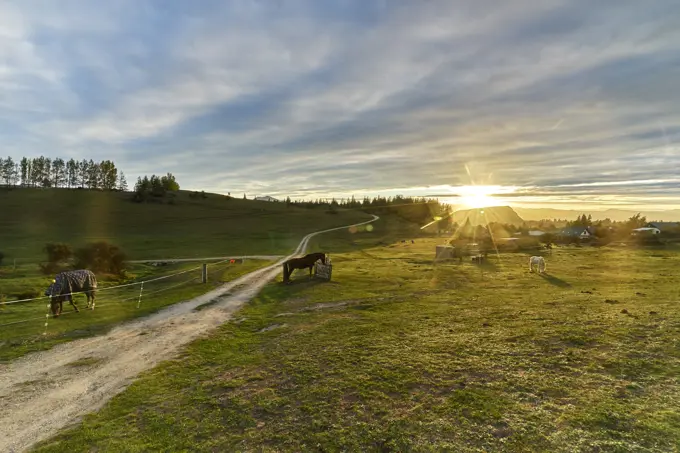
[[181, 226]]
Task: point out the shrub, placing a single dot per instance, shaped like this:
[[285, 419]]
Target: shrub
[[57, 252], [101, 257], [49, 268]]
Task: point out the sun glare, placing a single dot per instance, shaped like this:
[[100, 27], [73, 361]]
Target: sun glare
[[477, 196]]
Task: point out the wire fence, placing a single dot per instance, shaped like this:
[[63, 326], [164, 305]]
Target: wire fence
[[26, 319]]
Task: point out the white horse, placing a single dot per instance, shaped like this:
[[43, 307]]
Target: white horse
[[538, 262]]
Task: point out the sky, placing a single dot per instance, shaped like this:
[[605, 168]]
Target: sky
[[563, 103]]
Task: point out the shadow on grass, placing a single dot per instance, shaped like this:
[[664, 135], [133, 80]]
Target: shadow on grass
[[555, 281]]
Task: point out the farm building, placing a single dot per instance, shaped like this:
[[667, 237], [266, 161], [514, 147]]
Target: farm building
[[645, 231], [577, 232], [265, 198], [665, 227]]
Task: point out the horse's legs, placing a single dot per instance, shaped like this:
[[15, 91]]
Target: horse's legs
[[90, 300], [70, 299]]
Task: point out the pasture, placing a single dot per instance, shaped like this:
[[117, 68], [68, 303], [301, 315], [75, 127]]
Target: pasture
[[398, 353], [190, 227], [22, 325], [181, 226]]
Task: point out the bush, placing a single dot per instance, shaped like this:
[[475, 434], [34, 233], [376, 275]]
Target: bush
[[101, 257], [49, 268], [58, 252]]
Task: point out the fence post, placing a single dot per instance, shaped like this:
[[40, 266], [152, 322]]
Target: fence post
[[204, 273], [141, 290]]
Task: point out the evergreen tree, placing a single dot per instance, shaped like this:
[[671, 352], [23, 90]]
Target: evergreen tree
[[122, 182]]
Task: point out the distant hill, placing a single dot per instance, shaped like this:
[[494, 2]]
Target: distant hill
[[181, 225], [483, 216], [616, 215]]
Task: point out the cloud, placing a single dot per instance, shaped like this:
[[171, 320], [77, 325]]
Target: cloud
[[351, 97]]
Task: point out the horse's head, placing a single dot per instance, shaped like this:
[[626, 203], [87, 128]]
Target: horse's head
[[54, 291], [323, 258]]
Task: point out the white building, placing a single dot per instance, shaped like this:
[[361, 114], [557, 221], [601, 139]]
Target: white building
[[265, 198]]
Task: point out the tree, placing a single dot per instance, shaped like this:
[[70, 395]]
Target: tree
[[45, 176], [108, 175], [15, 175], [157, 187], [637, 221], [93, 175], [169, 182], [83, 173], [7, 170], [122, 182], [25, 165], [72, 173], [59, 175]]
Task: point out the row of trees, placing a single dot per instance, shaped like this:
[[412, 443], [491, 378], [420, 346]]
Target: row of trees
[[45, 172], [413, 209]]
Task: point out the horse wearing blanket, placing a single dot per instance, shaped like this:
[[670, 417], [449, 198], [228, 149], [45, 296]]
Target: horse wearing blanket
[[66, 283], [306, 261], [538, 262]]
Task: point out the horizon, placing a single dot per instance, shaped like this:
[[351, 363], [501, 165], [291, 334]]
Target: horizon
[[567, 105]]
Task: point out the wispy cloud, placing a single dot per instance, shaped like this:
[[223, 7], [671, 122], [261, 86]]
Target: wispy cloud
[[354, 97]]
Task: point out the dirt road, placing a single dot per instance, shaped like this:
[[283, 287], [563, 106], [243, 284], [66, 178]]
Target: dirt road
[[43, 392]]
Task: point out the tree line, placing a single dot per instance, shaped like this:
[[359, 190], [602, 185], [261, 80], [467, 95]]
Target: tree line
[[46, 172]]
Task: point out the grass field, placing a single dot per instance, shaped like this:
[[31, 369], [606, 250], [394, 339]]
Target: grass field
[[399, 354], [188, 228], [22, 325]]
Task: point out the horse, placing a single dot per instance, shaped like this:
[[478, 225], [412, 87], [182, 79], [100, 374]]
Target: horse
[[306, 261], [69, 282], [538, 262]]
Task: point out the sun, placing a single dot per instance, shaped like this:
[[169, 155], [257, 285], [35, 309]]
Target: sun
[[477, 196]]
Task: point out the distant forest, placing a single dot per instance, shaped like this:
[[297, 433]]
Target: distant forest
[[45, 172]]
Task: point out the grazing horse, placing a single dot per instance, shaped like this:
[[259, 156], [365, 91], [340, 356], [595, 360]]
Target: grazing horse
[[306, 261], [67, 283], [538, 262]]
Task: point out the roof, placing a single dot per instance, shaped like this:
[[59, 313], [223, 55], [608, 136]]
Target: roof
[[575, 231], [664, 226], [265, 198]]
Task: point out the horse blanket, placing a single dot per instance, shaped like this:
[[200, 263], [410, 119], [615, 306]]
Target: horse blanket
[[69, 282]]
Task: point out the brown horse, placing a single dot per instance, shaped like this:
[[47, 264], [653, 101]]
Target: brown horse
[[306, 261]]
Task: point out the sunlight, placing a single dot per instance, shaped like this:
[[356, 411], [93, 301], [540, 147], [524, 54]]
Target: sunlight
[[477, 196]]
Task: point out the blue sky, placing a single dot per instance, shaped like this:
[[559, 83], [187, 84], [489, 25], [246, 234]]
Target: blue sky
[[577, 102]]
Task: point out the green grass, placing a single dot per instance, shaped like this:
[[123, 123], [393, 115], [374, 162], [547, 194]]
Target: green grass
[[188, 228], [214, 226], [399, 354], [112, 306]]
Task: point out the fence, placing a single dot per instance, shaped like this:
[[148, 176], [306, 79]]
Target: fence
[[26, 320]]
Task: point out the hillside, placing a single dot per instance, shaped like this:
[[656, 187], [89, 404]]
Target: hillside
[[483, 216], [180, 227]]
